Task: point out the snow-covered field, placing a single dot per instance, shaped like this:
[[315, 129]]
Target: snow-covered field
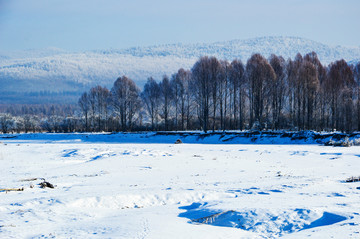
[[158, 189]]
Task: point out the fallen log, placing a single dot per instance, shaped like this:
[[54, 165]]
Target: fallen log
[[46, 185], [352, 179], [31, 179], [11, 189]]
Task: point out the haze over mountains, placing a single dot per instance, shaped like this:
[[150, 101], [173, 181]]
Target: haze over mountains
[[56, 76]]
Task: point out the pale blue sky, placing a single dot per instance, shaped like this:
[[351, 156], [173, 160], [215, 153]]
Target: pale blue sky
[[78, 25]]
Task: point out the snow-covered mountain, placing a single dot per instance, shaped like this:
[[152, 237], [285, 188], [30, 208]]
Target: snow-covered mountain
[[55, 70], [287, 47]]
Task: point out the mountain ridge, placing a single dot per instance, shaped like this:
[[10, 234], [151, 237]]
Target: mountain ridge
[[241, 48], [58, 70], [219, 49]]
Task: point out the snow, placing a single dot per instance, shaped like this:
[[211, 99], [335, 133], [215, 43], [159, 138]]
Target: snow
[[105, 66], [145, 186], [217, 137]]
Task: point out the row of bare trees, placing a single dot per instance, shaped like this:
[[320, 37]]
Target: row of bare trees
[[274, 93]]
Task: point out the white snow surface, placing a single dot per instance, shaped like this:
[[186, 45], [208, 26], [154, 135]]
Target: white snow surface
[[138, 186]]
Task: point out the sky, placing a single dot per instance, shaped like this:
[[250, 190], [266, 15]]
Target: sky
[[79, 25]]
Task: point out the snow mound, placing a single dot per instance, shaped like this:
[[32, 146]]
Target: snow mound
[[265, 222], [145, 200]]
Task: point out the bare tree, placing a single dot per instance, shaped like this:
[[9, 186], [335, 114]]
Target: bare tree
[[93, 105], [238, 89], [201, 87], [151, 97], [166, 98], [260, 74], [180, 84], [223, 92], [356, 71], [321, 99], [125, 101], [293, 69], [340, 84], [277, 89], [99, 104], [309, 88], [84, 104], [215, 69]]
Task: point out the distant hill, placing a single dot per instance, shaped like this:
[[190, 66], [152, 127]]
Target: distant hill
[[58, 72], [287, 47]]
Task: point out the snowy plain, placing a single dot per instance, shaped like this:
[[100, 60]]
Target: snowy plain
[[138, 186]]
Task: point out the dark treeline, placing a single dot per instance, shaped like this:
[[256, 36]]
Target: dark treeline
[[274, 93]]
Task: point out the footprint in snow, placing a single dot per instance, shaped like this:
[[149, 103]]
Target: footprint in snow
[[103, 155], [67, 153]]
